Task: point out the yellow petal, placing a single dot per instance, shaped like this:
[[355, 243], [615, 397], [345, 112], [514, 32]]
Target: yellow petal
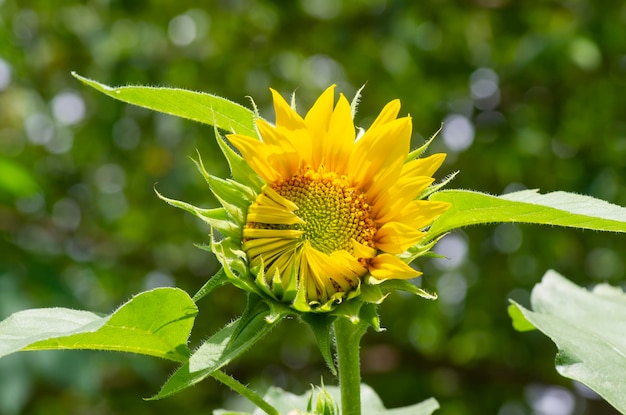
[[388, 114], [426, 166], [249, 233], [380, 153], [286, 159], [270, 246], [272, 215], [318, 117], [257, 155], [271, 197], [362, 251], [418, 214], [387, 266], [396, 237], [285, 116], [340, 138], [397, 196]]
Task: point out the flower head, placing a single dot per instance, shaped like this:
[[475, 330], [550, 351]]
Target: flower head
[[334, 211]]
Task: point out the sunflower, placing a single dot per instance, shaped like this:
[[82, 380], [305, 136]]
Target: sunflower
[[335, 210]]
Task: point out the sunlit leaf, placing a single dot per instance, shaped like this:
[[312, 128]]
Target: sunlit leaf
[[527, 206], [197, 106], [589, 329], [155, 323], [220, 349]]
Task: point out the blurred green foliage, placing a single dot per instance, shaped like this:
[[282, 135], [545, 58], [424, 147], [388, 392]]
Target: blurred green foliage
[[533, 95]]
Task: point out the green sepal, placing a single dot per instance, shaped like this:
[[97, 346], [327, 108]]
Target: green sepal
[[277, 284], [232, 262], [354, 104], [259, 279], [217, 218], [325, 403], [233, 196], [369, 314], [320, 325], [291, 289], [372, 294], [437, 186], [278, 310], [217, 280], [350, 310], [423, 248], [239, 168], [403, 285], [422, 149], [228, 252]]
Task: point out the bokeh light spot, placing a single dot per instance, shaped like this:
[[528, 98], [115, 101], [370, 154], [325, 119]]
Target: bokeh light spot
[[5, 74], [458, 132], [454, 248], [68, 107], [182, 30]]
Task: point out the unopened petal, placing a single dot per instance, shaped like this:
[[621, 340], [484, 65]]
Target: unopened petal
[[387, 266]]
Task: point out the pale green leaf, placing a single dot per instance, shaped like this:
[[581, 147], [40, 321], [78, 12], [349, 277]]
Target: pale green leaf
[[196, 106], [589, 329], [288, 403], [155, 323], [527, 206]]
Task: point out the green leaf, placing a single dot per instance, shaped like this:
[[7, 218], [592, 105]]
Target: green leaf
[[196, 106], [219, 350], [155, 323], [527, 206], [288, 403], [589, 329]]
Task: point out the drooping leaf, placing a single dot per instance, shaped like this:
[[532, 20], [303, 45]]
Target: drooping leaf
[[527, 206], [197, 106], [288, 403], [155, 323], [589, 329]]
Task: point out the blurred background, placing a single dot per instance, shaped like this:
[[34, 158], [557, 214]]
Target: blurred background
[[532, 94]]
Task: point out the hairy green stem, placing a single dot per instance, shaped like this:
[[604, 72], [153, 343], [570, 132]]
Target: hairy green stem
[[347, 339], [244, 391]]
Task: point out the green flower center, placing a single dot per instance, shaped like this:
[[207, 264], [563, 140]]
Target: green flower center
[[334, 213]]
